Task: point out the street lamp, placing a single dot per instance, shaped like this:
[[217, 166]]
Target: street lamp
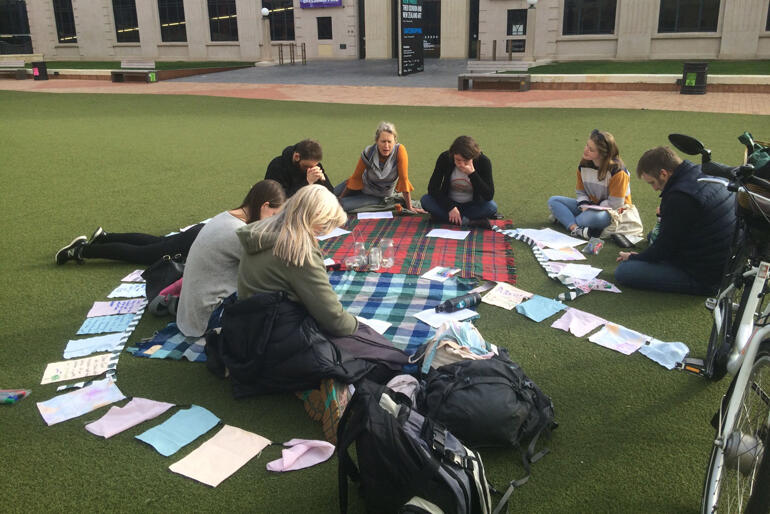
[[266, 12]]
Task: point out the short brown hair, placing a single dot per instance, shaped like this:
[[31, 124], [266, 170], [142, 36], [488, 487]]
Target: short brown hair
[[465, 146], [309, 149], [660, 158]]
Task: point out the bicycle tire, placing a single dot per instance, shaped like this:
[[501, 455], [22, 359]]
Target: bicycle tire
[[738, 465]]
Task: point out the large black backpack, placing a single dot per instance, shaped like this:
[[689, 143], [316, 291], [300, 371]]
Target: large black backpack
[[406, 462], [488, 403]]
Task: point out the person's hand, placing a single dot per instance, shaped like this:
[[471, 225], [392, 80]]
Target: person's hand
[[466, 168], [583, 207], [315, 174], [455, 217], [418, 210], [623, 256]]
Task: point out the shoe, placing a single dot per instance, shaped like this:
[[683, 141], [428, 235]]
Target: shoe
[[481, 223], [327, 405], [552, 218], [97, 237], [581, 232], [72, 251]]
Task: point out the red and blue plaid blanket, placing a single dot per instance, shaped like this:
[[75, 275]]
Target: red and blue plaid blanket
[[483, 254]]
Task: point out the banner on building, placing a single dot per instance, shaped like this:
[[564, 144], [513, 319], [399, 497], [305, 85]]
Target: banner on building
[[311, 4], [410, 37]]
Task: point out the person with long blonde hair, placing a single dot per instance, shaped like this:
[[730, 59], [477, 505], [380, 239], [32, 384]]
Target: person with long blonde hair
[[603, 182], [291, 312]]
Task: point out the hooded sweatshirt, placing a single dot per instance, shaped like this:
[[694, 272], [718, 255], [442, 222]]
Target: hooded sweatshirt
[[262, 272]]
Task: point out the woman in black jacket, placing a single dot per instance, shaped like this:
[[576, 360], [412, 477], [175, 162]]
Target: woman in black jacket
[[461, 188]]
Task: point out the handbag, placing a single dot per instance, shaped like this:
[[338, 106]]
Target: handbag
[[625, 221], [162, 274]]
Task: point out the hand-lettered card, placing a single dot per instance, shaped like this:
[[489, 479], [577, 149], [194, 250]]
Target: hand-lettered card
[[79, 368], [128, 290], [134, 276], [131, 306], [104, 324]]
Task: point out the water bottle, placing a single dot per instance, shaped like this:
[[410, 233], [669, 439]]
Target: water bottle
[[461, 302]]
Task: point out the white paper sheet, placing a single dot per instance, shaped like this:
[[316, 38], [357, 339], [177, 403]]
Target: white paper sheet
[[384, 215], [440, 273], [377, 325], [77, 368], [581, 271], [334, 233], [435, 319], [551, 238], [444, 233]]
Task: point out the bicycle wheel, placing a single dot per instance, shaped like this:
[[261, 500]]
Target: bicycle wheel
[[736, 469]]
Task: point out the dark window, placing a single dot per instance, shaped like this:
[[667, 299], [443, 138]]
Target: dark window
[[688, 16], [517, 22], [324, 27], [281, 19], [172, 22], [65, 21], [126, 24], [515, 45], [14, 28], [223, 20], [589, 17]]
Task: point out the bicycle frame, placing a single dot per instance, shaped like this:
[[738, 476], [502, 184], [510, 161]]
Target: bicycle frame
[[745, 348]]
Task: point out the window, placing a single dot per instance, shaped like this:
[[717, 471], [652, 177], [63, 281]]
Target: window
[[324, 27], [65, 21], [14, 28], [223, 20], [172, 21], [589, 17], [517, 22], [688, 16], [126, 24], [515, 45], [281, 19]]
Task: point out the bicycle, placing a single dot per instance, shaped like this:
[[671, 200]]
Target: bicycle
[[738, 475]]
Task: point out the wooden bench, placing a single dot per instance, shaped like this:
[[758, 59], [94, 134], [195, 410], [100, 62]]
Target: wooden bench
[[13, 68], [498, 81], [135, 68], [497, 66]]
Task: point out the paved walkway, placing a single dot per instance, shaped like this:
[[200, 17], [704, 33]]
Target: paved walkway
[[375, 83]]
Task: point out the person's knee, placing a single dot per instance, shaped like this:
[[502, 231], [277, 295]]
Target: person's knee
[[623, 273]]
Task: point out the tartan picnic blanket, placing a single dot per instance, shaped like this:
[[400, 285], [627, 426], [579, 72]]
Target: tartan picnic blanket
[[486, 254], [170, 343], [395, 298]]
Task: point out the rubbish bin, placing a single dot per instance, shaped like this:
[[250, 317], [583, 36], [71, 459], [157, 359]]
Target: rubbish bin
[[694, 78], [40, 71]]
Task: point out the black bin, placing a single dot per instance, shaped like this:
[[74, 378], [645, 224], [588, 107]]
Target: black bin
[[694, 78], [40, 71]]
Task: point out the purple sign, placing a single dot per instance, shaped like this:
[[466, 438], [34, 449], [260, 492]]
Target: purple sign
[[310, 4]]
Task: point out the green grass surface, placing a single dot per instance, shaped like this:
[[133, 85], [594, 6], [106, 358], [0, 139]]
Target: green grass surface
[[651, 67], [159, 65], [633, 436]]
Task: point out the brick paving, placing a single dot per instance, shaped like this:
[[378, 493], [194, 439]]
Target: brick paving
[[349, 89]]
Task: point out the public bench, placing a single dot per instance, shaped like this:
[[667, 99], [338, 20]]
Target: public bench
[[13, 68], [497, 66], [132, 68], [498, 81]]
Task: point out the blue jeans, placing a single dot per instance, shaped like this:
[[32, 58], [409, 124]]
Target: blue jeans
[[568, 213], [659, 276], [470, 210], [356, 199]]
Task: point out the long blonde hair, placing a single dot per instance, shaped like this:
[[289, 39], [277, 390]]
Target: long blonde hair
[[313, 210]]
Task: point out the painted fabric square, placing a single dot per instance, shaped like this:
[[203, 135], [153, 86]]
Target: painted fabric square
[[577, 322], [619, 338], [539, 308], [71, 405], [180, 429]]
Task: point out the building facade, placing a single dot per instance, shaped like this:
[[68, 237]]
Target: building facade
[[236, 30]]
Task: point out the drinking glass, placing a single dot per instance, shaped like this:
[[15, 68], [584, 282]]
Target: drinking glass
[[375, 257], [388, 252]]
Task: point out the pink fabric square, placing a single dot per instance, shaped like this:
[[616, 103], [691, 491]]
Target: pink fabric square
[[578, 322], [119, 419], [302, 453]]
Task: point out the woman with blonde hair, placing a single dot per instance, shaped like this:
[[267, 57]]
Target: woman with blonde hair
[[382, 171], [289, 330], [603, 182]]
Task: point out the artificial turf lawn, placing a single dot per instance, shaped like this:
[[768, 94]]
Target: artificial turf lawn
[[632, 436]]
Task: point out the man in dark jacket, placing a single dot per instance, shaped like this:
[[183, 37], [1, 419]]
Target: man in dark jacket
[[298, 166], [697, 223]]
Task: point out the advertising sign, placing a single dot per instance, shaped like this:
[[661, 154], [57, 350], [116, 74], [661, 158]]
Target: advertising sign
[[311, 4], [410, 35]]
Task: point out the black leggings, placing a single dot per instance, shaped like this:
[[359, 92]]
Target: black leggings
[[141, 248]]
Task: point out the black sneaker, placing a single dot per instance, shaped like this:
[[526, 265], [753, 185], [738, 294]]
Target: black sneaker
[[71, 251], [97, 237]]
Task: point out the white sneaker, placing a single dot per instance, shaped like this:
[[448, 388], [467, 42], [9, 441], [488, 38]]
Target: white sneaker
[[581, 232], [552, 218]]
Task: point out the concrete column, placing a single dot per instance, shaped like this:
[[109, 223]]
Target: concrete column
[[379, 29], [742, 23], [636, 22], [197, 24], [455, 17], [148, 19], [249, 33]]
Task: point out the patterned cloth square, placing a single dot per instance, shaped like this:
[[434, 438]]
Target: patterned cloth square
[[484, 253], [396, 298], [170, 343]]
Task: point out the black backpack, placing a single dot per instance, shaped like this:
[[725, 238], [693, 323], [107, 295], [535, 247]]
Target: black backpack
[[406, 462], [488, 402]]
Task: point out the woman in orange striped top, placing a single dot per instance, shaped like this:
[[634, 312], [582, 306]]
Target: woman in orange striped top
[[382, 171], [603, 183]]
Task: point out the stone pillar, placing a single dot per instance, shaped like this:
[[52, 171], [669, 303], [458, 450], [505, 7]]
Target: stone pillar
[[742, 22], [636, 22], [197, 23], [455, 17], [379, 29]]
